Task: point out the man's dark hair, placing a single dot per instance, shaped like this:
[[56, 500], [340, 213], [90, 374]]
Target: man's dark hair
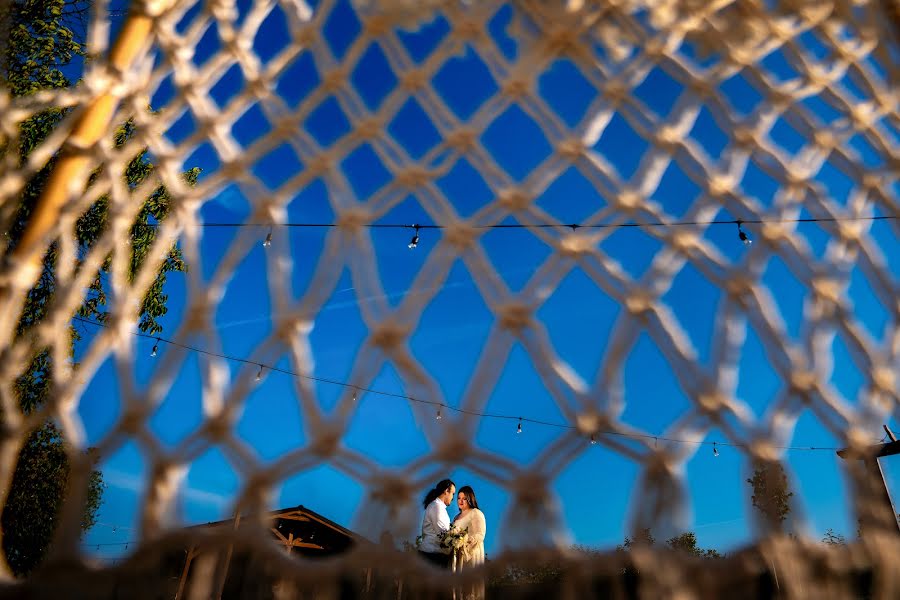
[[442, 486]]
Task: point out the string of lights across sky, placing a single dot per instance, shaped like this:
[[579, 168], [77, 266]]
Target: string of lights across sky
[[573, 226], [440, 407]]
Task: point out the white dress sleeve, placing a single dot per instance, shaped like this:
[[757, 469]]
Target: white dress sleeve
[[477, 528]]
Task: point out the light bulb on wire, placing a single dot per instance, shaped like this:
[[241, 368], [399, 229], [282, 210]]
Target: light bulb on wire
[[268, 241], [593, 440], [715, 450], [259, 373], [439, 416], [415, 238], [519, 428], [743, 235], [155, 348]]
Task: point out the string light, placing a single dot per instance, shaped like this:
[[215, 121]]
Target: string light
[[259, 373], [155, 348], [743, 234], [715, 450], [113, 526], [115, 530], [268, 241], [439, 415], [486, 415], [98, 546], [415, 238], [593, 440], [572, 226]]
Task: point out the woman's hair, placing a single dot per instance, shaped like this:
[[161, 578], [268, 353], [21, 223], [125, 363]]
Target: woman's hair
[[440, 488], [469, 493]]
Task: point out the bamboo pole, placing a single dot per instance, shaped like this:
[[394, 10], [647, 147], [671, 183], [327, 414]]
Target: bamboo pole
[[24, 263], [69, 174], [92, 125]]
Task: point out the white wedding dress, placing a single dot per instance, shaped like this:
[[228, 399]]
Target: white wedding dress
[[474, 524]]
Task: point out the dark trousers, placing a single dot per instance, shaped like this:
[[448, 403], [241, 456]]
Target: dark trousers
[[437, 559]]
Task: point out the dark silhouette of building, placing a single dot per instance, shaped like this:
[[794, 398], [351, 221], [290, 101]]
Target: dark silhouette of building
[[301, 531]]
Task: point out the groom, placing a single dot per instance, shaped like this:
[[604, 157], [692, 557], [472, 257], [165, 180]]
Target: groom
[[436, 522]]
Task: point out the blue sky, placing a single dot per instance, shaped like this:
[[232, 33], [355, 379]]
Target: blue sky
[[595, 490]]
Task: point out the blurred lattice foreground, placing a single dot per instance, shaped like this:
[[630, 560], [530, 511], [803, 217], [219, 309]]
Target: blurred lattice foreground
[[798, 94]]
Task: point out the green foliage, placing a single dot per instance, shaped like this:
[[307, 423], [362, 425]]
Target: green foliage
[[641, 538], [32, 509], [40, 44], [770, 493], [413, 547], [527, 574], [550, 572], [143, 233], [687, 543]]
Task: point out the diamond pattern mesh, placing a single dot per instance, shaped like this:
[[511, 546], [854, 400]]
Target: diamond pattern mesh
[[788, 90]]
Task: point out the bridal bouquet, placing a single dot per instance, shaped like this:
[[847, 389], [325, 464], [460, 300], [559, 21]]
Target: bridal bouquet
[[455, 540]]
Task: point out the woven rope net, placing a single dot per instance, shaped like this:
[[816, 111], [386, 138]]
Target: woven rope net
[[822, 69]]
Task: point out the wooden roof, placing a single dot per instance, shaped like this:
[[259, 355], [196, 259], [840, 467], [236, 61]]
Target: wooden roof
[[304, 529]]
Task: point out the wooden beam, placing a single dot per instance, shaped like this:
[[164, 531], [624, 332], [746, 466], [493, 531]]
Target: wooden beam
[[298, 543], [295, 542], [876, 451], [223, 566], [294, 517], [328, 525], [869, 459], [278, 534], [184, 573]]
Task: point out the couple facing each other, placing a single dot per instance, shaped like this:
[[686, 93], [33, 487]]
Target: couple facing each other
[[437, 528]]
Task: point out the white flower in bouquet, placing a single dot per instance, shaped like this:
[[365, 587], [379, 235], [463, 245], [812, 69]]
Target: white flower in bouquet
[[455, 540]]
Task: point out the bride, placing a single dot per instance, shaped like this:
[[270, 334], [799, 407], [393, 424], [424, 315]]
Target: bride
[[471, 521]]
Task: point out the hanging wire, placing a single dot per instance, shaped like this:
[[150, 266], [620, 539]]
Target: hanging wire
[[486, 415], [573, 226], [98, 546]]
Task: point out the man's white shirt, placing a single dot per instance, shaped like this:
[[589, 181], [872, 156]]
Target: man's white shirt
[[436, 522]]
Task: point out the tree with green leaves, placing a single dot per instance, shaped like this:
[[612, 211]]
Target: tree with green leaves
[[641, 538], [771, 495], [40, 44], [687, 543]]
